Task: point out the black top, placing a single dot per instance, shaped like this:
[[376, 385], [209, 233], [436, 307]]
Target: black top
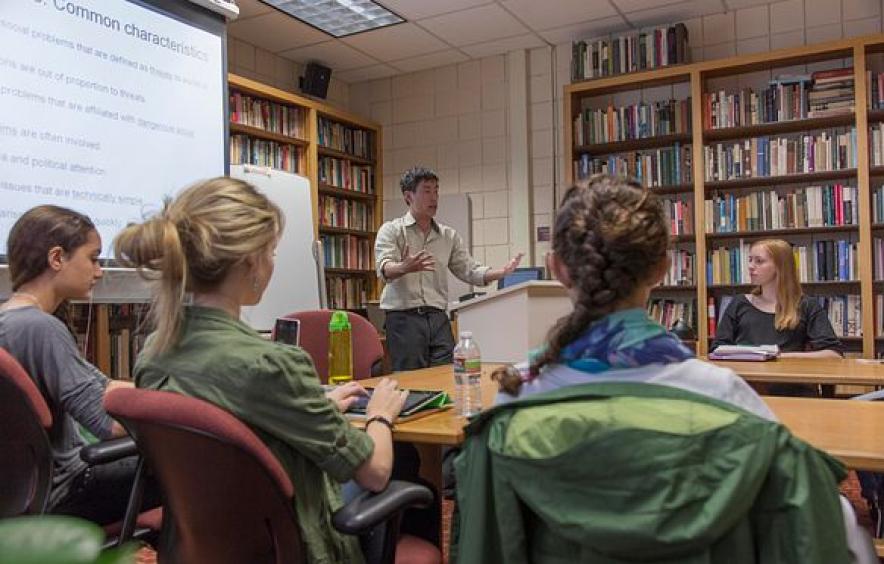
[[745, 324]]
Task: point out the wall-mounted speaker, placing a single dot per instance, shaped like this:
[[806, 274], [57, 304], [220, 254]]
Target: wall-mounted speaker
[[315, 80]]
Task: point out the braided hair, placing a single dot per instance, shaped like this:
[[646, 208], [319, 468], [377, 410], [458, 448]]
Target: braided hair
[[612, 235]]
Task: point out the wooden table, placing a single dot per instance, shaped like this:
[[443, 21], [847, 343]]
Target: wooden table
[[852, 431], [810, 371]]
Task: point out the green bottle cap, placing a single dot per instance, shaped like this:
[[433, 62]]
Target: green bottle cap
[[339, 322]]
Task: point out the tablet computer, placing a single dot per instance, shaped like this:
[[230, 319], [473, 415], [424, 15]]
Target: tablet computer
[[417, 400]]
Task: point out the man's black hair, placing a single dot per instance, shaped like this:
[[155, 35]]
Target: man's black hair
[[414, 176]]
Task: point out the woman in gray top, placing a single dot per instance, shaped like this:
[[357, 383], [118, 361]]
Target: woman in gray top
[[53, 257]]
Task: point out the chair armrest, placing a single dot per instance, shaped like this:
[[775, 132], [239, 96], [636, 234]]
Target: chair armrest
[[370, 509], [108, 451]]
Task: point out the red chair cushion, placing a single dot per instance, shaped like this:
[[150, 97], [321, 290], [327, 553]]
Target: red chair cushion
[[176, 409], [11, 369], [413, 550]]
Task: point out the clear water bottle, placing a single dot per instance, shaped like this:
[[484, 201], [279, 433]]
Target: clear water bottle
[[467, 375]]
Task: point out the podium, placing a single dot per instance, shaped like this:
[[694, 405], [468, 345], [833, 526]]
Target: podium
[[510, 322]]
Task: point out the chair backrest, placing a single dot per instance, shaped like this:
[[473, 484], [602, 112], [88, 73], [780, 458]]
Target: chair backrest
[[25, 454], [229, 497], [367, 348]]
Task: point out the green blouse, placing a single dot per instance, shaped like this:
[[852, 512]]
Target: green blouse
[[273, 388]]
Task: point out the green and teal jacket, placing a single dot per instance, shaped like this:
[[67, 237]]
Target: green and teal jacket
[[611, 473]]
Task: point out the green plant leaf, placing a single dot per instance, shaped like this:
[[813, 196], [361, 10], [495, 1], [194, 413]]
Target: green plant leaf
[[54, 539]]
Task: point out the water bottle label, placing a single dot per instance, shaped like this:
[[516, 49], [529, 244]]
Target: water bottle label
[[460, 364], [473, 365]]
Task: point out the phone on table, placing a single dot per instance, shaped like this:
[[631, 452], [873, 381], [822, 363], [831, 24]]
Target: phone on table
[[287, 331]]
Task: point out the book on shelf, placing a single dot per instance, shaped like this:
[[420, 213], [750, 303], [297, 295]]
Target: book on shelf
[[878, 258], [282, 119], [346, 293], [831, 93], [794, 208], [680, 211], [346, 251], [349, 214], [667, 311], [633, 52], [844, 313], [878, 204], [637, 121], [876, 144], [826, 150], [347, 139], [245, 149], [745, 352], [783, 100], [681, 268], [668, 166], [343, 174], [875, 89], [819, 261]]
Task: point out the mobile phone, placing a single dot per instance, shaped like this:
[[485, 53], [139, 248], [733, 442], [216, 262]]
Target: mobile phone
[[287, 331]]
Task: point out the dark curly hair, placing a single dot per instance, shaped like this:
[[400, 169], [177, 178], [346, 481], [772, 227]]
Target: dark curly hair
[[414, 176], [611, 234]]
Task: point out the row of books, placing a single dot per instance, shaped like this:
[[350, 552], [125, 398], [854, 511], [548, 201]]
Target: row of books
[[125, 345], [878, 204], [630, 53], [875, 93], [832, 93], [878, 258], [342, 174], [269, 116], [827, 150], [682, 266], [680, 211], [128, 330], [810, 206], [844, 313], [669, 166], [779, 102], [819, 261], [638, 121], [345, 293], [879, 315], [876, 144], [347, 139], [667, 311], [346, 251], [340, 212], [260, 152]]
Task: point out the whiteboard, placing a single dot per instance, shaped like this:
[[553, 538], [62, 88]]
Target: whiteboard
[[454, 211], [294, 285]]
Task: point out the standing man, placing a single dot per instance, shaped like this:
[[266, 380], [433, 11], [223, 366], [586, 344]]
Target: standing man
[[412, 253]]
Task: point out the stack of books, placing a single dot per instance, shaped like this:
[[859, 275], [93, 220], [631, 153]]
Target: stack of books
[[745, 352], [832, 93]]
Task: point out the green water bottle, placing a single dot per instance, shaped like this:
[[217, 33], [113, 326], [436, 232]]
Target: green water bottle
[[340, 349]]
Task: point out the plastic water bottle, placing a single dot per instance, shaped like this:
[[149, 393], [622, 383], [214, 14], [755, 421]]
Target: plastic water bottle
[[467, 375], [340, 349]]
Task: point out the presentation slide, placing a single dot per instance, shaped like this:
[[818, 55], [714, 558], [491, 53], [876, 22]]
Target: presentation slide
[[108, 106]]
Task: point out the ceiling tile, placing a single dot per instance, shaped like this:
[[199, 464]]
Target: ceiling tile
[[626, 6], [395, 42], [417, 9], [672, 13], [498, 46], [433, 60], [252, 8], [333, 54], [475, 25], [276, 32], [585, 30], [538, 15], [737, 4], [366, 73]]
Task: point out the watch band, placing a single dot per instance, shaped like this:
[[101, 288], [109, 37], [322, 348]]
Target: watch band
[[379, 419]]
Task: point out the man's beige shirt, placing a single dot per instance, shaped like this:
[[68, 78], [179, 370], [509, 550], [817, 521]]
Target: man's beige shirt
[[427, 288]]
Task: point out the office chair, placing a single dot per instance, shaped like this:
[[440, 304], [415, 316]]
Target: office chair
[[368, 353], [26, 463], [228, 496]]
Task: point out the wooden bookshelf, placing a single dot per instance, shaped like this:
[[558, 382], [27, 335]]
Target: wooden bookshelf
[[698, 76], [314, 151]]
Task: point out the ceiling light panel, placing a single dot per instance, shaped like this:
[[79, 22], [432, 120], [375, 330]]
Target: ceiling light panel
[[339, 18]]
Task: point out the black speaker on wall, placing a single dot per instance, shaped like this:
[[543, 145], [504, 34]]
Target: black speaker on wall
[[315, 80]]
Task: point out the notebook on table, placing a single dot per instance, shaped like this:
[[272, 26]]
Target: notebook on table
[[758, 353]]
